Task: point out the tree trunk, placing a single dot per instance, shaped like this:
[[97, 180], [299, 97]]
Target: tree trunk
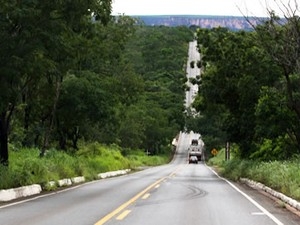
[[51, 123], [26, 141], [62, 140], [75, 137], [4, 125], [3, 140]]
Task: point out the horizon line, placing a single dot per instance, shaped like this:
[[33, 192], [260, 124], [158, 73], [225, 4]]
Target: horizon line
[[207, 15]]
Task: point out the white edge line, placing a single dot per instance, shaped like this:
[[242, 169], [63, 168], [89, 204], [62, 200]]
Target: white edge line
[[271, 216], [40, 196]]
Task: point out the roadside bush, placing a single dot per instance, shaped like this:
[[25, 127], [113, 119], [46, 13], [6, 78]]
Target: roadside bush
[[217, 160], [8, 179], [145, 160], [271, 150], [102, 158], [235, 169], [282, 176], [27, 167], [61, 164]]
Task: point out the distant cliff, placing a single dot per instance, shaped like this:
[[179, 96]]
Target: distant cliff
[[231, 22]]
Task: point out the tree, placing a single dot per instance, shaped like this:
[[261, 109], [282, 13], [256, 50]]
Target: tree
[[21, 56], [158, 55], [280, 40], [35, 46], [236, 68]]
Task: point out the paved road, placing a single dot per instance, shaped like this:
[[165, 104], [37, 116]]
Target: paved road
[[177, 193], [194, 56]]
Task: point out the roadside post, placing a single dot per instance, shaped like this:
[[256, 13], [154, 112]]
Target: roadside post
[[227, 151]]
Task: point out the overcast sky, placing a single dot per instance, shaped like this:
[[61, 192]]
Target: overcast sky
[[195, 7]]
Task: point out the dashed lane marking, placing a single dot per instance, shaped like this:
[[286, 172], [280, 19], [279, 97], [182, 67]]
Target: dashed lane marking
[[134, 199], [146, 196], [123, 215]]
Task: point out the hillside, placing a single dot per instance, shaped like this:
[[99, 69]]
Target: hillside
[[231, 22]]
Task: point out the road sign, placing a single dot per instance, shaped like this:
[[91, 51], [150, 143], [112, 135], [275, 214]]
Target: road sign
[[214, 152]]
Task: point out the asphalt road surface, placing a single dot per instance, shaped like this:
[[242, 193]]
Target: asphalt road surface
[[177, 193], [194, 56]]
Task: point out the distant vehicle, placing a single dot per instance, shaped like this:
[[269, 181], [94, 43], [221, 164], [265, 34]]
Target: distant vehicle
[[193, 159], [195, 152], [195, 149]]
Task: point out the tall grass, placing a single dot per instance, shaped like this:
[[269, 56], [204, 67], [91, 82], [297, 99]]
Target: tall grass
[[27, 167], [140, 159], [283, 176]]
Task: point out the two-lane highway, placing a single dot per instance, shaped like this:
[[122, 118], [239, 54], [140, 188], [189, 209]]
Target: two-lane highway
[[177, 193]]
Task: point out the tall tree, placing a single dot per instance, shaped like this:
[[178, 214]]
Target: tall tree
[[279, 37], [35, 45], [236, 69]]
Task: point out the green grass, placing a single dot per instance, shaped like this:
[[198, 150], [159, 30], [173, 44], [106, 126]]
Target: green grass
[[282, 176], [140, 160], [27, 167]]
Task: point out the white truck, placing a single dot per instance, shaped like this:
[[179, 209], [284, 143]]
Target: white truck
[[195, 149]]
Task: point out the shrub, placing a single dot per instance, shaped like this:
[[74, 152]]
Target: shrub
[[27, 167], [283, 176]]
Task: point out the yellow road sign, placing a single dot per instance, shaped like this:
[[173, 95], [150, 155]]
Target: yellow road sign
[[214, 152]]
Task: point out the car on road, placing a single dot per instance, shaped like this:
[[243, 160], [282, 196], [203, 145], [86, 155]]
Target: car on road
[[193, 159]]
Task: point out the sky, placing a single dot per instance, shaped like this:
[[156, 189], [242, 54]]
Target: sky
[[196, 7]]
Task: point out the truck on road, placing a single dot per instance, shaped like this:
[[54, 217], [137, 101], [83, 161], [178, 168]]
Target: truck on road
[[195, 149]]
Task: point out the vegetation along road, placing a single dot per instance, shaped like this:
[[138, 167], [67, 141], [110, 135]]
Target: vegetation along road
[[83, 93], [176, 193]]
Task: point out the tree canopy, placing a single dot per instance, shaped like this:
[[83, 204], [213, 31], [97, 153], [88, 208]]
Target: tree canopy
[[71, 73], [248, 88]]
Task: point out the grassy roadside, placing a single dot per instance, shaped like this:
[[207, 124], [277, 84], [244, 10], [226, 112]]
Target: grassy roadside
[[26, 167], [282, 176]]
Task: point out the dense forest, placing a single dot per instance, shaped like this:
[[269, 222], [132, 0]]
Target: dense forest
[[72, 73], [249, 89]]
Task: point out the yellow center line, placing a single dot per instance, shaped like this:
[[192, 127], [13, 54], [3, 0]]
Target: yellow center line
[[123, 215], [126, 204], [132, 200]]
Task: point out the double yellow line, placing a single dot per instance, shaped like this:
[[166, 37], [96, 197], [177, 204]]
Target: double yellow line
[[132, 200]]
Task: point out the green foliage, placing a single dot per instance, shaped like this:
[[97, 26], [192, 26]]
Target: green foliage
[[140, 159], [103, 158], [38, 49], [8, 178], [155, 118], [283, 176], [217, 160], [235, 169], [133, 126], [27, 167], [279, 42], [279, 148], [272, 114], [243, 95], [73, 73], [105, 91]]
